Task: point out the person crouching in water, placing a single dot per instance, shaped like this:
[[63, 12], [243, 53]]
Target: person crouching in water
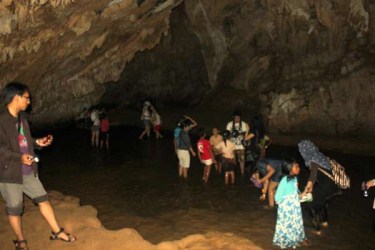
[[289, 232], [227, 148], [183, 148], [205, 154], [270, 169]]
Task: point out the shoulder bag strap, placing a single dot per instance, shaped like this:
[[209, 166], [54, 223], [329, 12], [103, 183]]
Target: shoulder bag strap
[[327, 174]]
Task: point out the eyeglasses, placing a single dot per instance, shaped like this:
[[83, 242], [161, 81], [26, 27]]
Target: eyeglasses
[[26, 97]]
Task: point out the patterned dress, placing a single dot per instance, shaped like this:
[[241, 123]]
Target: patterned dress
[[289, 226]]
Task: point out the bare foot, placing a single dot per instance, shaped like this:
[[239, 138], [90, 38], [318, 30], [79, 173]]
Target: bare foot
[[305, 243], [262, 197], [319, 233]]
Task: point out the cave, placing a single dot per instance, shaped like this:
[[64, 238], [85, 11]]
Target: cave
[[305, 67]]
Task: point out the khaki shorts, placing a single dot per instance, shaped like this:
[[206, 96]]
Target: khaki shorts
[[12, 194], [184, 158]]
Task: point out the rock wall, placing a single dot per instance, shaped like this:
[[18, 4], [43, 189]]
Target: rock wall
[[66, 50], [305, 64]]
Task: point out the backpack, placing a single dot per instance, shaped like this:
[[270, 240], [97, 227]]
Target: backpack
[[339, 176]]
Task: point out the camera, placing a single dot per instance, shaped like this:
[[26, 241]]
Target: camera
[[364, 189], [35, 158]]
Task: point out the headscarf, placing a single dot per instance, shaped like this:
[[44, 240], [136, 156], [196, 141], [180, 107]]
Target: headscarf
[[311, 153]]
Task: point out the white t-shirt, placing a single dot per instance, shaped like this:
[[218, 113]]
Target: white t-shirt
[[95, 118], [241, 135], [155, 119]]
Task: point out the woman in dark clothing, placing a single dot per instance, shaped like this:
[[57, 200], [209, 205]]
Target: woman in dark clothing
[[319, 184]]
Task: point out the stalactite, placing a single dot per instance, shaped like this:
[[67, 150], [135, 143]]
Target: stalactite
[[358, 17], [5, 20]]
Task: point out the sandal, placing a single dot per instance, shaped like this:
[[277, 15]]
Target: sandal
[[55, 236], [17, 244]]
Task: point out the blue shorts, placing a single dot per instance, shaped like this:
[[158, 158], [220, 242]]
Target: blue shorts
[[261, 165]]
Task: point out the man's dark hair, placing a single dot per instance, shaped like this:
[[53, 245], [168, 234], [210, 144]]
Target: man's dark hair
[[11, 90]]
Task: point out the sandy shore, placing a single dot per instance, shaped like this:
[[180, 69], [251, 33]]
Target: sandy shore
[[82, 222]]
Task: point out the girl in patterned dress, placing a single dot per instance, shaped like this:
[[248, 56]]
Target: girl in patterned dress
[[289, 231]]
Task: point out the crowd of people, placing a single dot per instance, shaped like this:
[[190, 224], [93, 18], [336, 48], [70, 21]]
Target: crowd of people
[[235, 146], [276, 178]]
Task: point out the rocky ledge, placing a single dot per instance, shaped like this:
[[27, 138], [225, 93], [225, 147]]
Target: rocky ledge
[[82, 221]]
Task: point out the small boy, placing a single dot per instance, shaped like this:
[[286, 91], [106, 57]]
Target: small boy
[[205, 154]]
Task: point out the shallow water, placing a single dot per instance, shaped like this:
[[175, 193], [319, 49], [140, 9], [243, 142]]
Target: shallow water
[[136, 185]]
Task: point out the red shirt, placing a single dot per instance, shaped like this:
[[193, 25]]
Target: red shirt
[[204, 148], [104, 125]]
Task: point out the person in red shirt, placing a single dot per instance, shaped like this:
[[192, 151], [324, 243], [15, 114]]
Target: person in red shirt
[[104, 132], [205, 154]]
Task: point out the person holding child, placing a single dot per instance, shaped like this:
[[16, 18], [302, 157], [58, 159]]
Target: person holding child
[[289, 231]]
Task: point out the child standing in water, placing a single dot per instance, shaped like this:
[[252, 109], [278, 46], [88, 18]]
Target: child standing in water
[[215, 139], [289, 225], [227, 148], [156, 122], [104, 132], [205, 154]]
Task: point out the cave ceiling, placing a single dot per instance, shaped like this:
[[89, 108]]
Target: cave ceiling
[[301, 61]]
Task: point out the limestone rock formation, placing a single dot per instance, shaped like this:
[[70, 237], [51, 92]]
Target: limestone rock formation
[[66, 50], [306, 65], [307, 62], [82, 221]]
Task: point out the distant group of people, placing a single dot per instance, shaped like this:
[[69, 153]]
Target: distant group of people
[[223, 150], [98, 123], [150, 117]]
